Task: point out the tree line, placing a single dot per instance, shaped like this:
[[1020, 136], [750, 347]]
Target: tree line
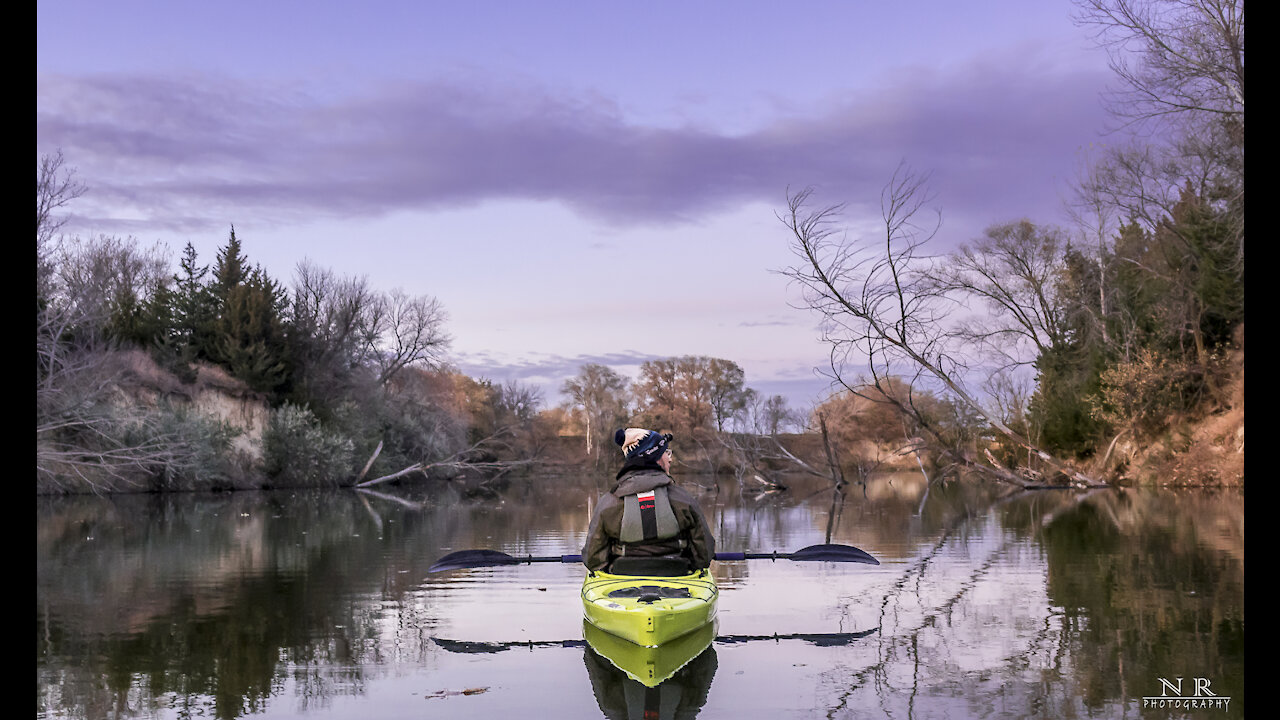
[[696, 397], [1058, 342], [349, 373], [356, 380]]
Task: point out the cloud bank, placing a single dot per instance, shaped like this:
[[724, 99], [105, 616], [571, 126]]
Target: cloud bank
[[184, 153]]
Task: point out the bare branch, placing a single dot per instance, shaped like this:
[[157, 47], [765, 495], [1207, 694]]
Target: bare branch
[[411, 332], [884, 304], [56, 187], [460, 460], [1173, 57]]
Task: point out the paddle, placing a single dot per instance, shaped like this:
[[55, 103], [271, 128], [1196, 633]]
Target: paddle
[[492, 558], [813, 553]]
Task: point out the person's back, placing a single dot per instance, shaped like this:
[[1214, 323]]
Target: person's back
[[646, 524]]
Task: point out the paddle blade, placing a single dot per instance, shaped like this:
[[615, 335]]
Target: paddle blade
[[472, 559], [834, 553]]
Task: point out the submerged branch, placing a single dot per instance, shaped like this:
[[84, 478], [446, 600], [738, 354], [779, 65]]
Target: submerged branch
[[391, 498]]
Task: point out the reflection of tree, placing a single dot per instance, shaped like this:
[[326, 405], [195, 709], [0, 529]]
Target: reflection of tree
[[1134, 591], [1141, 591], [232, 656], [207, 622], [222, 605], [217, 603]]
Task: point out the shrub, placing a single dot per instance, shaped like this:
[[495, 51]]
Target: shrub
[[1146, 395], [299, 451], [204, 449], [167, 447]]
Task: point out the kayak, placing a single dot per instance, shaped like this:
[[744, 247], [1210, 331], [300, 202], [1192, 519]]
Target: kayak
[[649, 666], [647, 610]]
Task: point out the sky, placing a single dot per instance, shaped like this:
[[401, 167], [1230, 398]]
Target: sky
[[574, 181]]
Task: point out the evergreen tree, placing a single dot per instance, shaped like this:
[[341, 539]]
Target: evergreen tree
[[231, 269], [1060, 410], [194, 310], [1199, 253], [1068, 371], [251, 337], [145, 322], [247, 334]]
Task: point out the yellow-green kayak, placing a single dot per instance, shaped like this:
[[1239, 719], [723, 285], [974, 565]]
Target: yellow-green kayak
[[646, 610]]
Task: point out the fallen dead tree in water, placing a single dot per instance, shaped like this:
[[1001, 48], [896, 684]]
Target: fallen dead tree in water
[[461, 461]]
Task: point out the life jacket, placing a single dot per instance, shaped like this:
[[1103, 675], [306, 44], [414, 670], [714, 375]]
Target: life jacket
[[649, 527], [647, 516]]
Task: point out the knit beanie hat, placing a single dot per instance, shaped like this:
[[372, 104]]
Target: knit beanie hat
[[638, 443]]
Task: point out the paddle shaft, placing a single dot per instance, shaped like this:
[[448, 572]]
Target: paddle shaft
[[517, 559], [727, 556], [489, 558], [721, 556]]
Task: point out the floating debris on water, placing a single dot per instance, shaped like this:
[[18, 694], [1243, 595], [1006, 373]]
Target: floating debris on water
[[451, 693]]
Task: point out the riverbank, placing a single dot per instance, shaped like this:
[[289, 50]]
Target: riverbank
[[1201, 450], [1204, 450]]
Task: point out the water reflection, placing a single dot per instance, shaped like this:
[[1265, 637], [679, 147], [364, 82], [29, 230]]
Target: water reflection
[[636, 683], [670, 681], [649, 666], [290, 604]]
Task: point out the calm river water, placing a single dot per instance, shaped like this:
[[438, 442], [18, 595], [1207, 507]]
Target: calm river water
[[1052, 604]]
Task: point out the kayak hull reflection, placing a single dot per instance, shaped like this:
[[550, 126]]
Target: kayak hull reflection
[[649, 666], [649, 611]]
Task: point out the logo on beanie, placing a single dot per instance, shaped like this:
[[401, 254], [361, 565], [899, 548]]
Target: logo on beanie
[[639, 442]]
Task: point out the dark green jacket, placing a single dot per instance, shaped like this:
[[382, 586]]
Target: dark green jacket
[[603, 545]]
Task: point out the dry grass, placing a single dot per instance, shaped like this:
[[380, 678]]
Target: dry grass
[[1205, 451], [140, 372]]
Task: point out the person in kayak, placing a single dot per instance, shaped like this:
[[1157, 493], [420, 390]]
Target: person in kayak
[[646, 524]]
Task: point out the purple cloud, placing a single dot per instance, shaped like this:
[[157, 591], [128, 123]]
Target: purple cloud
[[995, 137]]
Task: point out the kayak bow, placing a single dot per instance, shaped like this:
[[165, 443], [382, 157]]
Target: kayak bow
[[649, 611]]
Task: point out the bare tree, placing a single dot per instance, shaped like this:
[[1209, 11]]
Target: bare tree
[[1173, 57], [512, 438], [1013, 271], [691, 392], [56, 187], [86, 437], [758, 455], [767, 415], [336, 313], [880, 304], [411, 331], [671, 394], [469, 459], [335, 330], [347, 325], [726, 389], [1096, 223], [603, 396]]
